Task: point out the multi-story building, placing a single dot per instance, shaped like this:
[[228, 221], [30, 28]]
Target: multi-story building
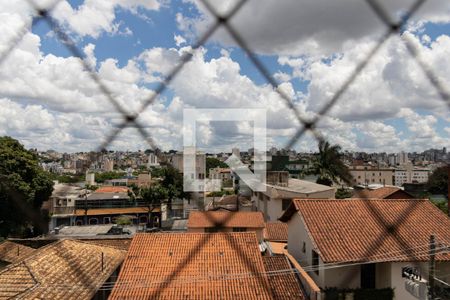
[[366, 174], [176, 160], [411, 174]]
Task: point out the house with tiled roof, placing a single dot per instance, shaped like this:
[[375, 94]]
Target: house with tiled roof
[[384, 192], [226, 221], [368, 243], [277, 197], [226, 265], [11, 252], [66, 269]]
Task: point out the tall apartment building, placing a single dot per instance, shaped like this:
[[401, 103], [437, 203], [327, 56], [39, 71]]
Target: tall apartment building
[[176, 160]]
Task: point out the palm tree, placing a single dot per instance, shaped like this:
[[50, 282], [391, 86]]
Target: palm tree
[[329, 166]]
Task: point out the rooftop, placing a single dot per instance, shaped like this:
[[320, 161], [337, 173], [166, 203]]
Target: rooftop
[[381, 193], [302, 186], [276, 231], [284, 286], [112, 189], [114, 211], [63, 270], [13, 252], [354, 230], [202, 219], [193, 265], [107, 196]]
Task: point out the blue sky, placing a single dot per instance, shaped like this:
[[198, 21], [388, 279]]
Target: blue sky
[[310, 67]]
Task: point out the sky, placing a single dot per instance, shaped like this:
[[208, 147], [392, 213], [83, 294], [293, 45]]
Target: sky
[[49, 101]]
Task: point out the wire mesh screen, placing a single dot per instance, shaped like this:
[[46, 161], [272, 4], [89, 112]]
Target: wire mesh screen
[[305, 124]]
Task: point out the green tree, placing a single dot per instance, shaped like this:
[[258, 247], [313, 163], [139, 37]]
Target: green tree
[[24, 186], [342, 193], [329, 166], [153, 196], [212, 162], [438, 181]]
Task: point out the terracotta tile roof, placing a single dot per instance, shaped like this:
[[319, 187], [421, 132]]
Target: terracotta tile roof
[[277, 247], [378, 229], [284, 286], [193, 266], [63, 270], [114, 211], [112, 189], [381, 193], [122, 244], [276, 231], [14, 252], [202, 219]]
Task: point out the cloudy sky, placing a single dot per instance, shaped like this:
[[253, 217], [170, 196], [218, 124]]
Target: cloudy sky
[[49, 101]]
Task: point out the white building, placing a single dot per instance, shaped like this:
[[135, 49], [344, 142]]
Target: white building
[[410, 174], [236, 152], [177, 161], [276, 199], [152, 160], [90, 178], [335, 241]]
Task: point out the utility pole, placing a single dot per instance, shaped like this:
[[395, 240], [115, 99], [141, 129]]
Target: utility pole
[[431, 268]]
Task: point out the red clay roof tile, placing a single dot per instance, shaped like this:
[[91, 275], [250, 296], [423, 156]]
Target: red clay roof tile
[[248, 219], [276, 231], [362, 230], [193, 266]]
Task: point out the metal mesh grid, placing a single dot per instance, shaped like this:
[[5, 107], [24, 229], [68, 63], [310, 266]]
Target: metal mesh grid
[[223, 21]]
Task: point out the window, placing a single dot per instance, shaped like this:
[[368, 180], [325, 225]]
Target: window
[[285, 203], [211, 229], [239, 229], [315, 261]]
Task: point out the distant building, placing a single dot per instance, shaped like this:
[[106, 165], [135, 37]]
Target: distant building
[[383, 192], [277, 198], [108, 165], [408, 173], [366, 175], [236, 152], [403, 158], [90, 178], [177, 161], [152, 160]]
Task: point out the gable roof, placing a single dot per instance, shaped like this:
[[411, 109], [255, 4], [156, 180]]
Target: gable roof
[[354, 230], [284, 285], [203, 219], [193, 265], [63, 270], [13, 252], [276, 231], [381, 193]]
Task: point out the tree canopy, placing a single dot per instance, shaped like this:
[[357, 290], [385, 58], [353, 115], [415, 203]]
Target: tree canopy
[[24, 186], [329, 166], [438, 181]]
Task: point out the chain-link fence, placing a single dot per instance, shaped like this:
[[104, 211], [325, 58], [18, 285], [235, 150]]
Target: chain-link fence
[[393, 28]]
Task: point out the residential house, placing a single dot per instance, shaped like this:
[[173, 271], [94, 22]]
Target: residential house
[[276, 199], [226, 221], [361, 243], [11, 252], [225, 265], [384, 192], [63, 270]]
